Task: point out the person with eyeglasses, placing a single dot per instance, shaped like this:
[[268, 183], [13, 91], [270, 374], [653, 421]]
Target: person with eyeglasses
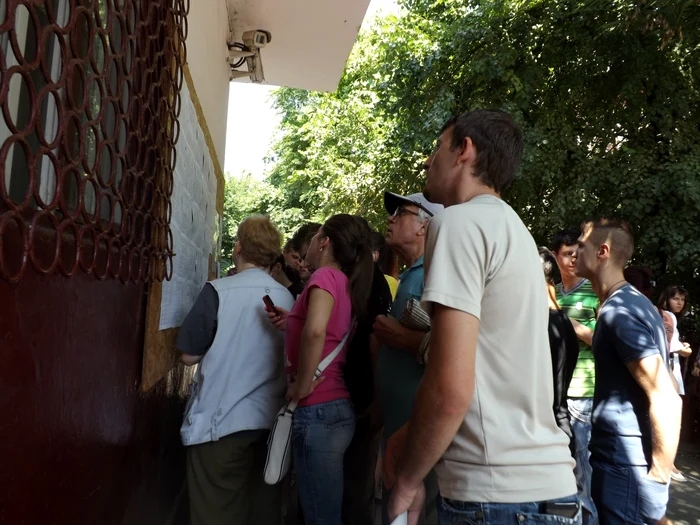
[[399, 369]]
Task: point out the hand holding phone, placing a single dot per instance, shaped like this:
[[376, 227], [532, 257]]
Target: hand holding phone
[[276, 314], [269, 305]]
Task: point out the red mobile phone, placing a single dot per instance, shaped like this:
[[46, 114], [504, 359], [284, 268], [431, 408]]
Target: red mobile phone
[[269, 305]]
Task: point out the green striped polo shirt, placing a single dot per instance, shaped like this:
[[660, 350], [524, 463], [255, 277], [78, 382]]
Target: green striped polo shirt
[[581, 303]]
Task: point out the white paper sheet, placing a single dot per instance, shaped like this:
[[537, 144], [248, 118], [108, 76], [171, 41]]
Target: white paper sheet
[[195, 224]]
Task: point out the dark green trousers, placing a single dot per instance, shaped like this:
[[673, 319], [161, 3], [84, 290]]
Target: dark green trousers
[[225, 482]]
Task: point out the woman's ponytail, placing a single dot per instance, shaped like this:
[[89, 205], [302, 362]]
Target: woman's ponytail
[[361, 280]]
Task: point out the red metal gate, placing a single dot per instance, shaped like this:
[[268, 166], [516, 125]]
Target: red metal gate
[[90, 99], [89, 94]]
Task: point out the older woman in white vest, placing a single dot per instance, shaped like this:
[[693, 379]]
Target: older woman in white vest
[[239, 386]]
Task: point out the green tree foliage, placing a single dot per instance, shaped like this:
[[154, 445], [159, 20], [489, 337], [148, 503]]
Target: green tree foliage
[[607, 94], [246, 195]]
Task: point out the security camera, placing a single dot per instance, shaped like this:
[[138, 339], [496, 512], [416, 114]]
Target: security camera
[[257, 39], [253, 62], [248, 52], [255, 68]]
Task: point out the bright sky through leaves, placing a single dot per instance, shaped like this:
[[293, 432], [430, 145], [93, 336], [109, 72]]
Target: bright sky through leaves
[[252, 121]]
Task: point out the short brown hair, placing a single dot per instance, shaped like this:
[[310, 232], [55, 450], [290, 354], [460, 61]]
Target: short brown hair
[[498, 141], [260, 240], [617, 234], [303, 236]]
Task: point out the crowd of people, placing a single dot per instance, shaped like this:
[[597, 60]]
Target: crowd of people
[[496, 382]]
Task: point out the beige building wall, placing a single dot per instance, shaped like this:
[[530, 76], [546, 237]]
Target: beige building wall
[[206, 58]]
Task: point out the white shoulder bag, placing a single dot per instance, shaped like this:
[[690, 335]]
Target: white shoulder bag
[[279, 444]]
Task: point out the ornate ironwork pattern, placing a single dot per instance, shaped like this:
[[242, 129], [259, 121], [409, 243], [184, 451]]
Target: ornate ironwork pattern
[[90, 100]]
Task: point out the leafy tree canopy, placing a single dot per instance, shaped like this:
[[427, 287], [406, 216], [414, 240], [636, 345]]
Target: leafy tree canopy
[[607, 94], [246, 195]]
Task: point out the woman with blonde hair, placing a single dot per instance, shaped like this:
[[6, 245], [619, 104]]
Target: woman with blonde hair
[[238, 388]]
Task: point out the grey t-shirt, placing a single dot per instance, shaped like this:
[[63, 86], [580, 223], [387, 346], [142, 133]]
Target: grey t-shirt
[[481, 259], [199, 328], [629, 329]]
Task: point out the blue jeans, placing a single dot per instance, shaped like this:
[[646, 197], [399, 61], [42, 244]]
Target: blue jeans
[[320, 435], [452, 512], [580, 411], [624, 495]]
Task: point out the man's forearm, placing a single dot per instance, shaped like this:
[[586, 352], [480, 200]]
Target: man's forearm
[[584, 333], [665, 413], [434, 423], [410, 340], [390, 332], [401, 338]]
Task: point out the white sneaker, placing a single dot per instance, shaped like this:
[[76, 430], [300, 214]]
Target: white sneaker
[[678, 476]]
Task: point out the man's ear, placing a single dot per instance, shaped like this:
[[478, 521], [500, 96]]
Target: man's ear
[[604, 251], [237, 248], [466, 152]]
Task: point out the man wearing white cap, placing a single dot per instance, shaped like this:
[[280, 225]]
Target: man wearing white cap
[[400, 365]]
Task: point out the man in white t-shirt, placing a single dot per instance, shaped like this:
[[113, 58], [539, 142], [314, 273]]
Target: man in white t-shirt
[[483, 413]]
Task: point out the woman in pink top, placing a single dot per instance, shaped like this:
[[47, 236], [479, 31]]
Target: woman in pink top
[[324, 422]]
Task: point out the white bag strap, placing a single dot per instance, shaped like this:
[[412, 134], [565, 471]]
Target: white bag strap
[[292, 405], [290, 408], [331, 357]]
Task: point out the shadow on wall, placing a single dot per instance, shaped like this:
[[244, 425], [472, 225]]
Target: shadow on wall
[[162, 493]]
